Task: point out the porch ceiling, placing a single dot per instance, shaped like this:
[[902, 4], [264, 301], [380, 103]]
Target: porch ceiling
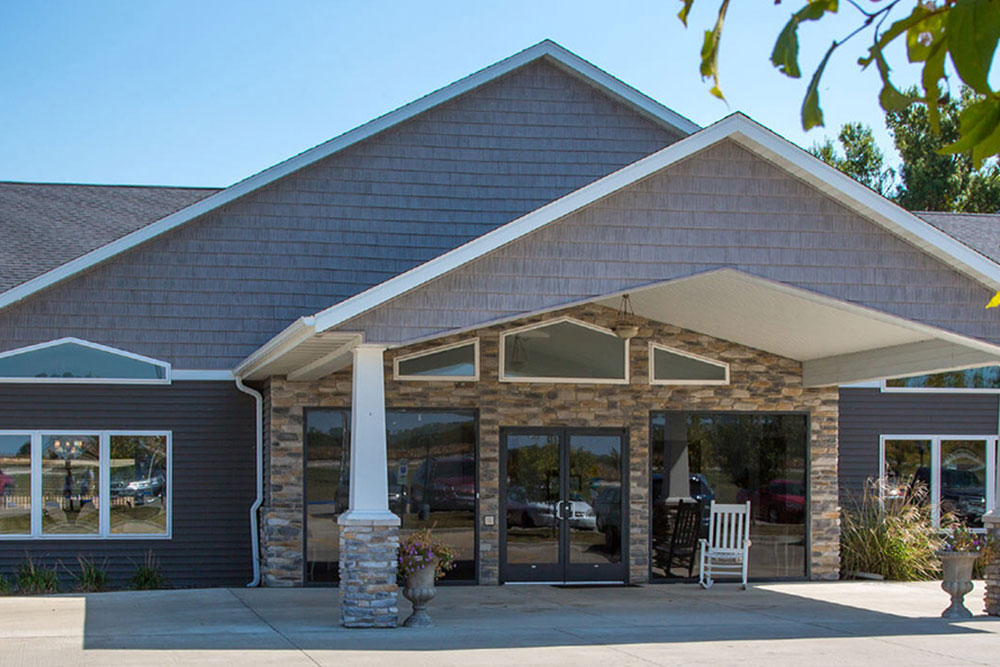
[[837, 342]]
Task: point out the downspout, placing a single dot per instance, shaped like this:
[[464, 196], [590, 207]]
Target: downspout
[[254, 523]]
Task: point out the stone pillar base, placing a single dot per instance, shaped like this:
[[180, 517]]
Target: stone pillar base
[[992, 570], [368, 556]]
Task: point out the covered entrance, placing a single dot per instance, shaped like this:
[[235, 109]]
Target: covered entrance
[[562, 513]]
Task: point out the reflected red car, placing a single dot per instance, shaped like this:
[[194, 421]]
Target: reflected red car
[[781, 501]]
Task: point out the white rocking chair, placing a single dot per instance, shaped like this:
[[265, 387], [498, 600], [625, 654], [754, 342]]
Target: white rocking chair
[[727, 549]]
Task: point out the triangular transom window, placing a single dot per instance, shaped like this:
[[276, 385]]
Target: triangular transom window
[[452, 362], [563, 350], [670, 366], [74, 360]]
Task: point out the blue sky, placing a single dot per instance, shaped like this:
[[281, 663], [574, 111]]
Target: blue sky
[[210, 92]]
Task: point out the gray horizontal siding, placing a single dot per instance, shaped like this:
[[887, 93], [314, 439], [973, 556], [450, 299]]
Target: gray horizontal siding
[[866, 414], [210, 293], [722, 208], [213, 475]]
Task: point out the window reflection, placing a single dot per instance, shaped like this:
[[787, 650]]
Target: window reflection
[[138, 469], [15, 484], [431, 475], [729, 458], [963, 480], [70, 484]]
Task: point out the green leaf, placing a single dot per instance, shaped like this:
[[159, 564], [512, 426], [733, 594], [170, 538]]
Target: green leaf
[[980, 131], [812, 114], [710, 51], [923, 35], [890, 98], [785, 55], [933, 73], [685, 10], [973, 30]]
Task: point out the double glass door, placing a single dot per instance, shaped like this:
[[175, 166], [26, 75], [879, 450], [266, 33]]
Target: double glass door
[[563, 507]]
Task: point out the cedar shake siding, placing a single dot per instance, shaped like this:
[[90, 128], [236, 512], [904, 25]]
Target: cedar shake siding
[[213, 476], [208, 294], [721, 208], [866, 414]]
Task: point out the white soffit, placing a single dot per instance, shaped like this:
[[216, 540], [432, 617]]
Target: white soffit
[[753, 312], [303, 355]]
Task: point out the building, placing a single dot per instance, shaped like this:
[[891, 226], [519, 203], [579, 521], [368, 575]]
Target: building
[[424, 320]]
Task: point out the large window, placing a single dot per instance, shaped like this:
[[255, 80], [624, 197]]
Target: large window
[[431, 477], [79, 361], [698, 457], [90, 484], [986, 378], [563, 350], [957, 473]]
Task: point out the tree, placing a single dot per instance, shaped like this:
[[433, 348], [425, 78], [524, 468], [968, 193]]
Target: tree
[[964, 31], [927, 179], [862, 159]]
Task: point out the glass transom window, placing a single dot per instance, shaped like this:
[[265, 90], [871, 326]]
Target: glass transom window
[[73, 360], [563, 350], [450, 362], [670, 366], [987, 377]]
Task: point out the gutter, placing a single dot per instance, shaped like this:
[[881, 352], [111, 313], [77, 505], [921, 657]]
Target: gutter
[[255, 507]]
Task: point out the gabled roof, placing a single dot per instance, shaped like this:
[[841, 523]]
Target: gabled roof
[[736, 127], [548, 50], [979, 231], [45, 225]]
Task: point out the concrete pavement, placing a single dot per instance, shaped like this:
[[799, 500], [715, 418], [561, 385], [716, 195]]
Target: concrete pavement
[[841, 623]]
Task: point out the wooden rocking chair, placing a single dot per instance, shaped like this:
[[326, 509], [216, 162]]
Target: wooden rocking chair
[[727, 549]]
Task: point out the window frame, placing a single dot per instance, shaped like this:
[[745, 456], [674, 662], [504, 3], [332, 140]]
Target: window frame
[[562, 380], [653, 346], [439, 378], [166, 379], [886, 389], [991, 442], [104, 485]]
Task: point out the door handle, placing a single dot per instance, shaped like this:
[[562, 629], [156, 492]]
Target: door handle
[[561, 512]]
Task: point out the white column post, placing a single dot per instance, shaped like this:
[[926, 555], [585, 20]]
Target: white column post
[[369, 493]]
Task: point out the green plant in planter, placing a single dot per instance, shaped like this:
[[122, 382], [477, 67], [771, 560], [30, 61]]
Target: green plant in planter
[[958, 538], [148, 575], [890, 534], [35, 579], [419, 549]]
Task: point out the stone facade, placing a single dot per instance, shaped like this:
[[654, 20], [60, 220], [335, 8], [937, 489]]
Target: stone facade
[[991, 572], [368, 591], [759, 381]]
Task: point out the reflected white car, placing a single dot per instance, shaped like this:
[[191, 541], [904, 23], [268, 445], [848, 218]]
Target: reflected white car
[[582, 516]]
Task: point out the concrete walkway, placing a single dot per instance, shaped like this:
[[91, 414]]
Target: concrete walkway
[[847, 623]]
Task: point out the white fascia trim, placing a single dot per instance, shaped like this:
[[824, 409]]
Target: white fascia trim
[[738, 127], [547, 48], [167, 374], [291, 336], [199, 375], [474, 342]]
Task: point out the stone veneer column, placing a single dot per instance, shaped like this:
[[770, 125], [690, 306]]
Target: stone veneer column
[[992, 570], [369, 532]]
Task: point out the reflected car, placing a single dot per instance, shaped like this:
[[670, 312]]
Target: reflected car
[[781, 501], [528, 514], [582, 515], [962, 494], [447, 483]]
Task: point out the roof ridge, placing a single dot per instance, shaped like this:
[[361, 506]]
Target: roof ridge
[[956, 213], [113, 185]]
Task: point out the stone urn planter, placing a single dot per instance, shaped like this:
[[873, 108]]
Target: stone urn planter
[[419, 590], [956, 568]]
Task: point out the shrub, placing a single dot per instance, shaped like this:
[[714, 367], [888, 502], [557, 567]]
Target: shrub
[[4, 585], [92, 578], [147, 575], [36, 579], [894, 538]]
